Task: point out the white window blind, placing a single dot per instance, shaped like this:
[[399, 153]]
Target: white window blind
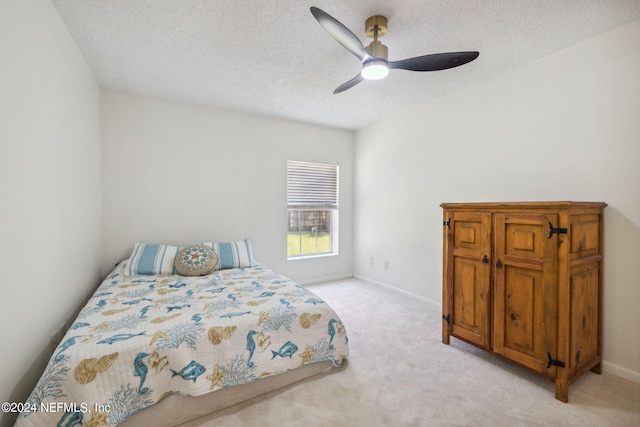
[[312, 185]]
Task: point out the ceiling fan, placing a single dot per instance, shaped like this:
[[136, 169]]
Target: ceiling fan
[[375, 64]]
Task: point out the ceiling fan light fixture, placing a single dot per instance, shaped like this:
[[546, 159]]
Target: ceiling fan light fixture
[[375, 69]]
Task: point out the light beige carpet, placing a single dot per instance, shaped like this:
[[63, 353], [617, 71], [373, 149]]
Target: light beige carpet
[[400, 374]]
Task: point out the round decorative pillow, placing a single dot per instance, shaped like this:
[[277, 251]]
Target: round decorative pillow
[[195, 260]]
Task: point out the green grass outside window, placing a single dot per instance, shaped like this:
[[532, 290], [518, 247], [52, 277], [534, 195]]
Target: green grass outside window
[[308, 243]]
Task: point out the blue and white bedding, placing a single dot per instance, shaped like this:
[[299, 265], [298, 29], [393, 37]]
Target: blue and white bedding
[[142, 338]]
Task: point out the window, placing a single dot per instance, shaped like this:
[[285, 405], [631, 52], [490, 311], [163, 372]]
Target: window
[[312, 209]]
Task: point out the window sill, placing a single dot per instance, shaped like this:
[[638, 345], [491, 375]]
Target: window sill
[[311, 256]]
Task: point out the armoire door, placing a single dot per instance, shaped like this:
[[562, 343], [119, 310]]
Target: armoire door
[[525, 292], [469, 277]]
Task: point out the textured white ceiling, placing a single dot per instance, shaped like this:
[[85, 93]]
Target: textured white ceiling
[[271, 57]]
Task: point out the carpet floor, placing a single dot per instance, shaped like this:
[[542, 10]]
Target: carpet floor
[[399, 373]]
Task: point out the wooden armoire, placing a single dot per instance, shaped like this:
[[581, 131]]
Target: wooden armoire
[[523, 281]]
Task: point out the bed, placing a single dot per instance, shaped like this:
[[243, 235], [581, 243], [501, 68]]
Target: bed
[[152, 339]]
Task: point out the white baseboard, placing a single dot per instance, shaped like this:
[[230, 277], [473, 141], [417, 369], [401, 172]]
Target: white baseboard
[[325, 279], [608, 367], [621, 371], [431, 303]]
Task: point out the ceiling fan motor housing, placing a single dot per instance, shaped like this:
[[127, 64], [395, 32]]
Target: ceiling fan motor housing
[[377, 50]]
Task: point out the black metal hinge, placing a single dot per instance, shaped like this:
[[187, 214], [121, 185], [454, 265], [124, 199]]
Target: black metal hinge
[[447, 318], [553, 230], [554, 362], [447, 223]]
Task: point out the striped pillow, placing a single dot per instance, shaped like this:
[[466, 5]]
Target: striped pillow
[[151, 259], [236, 254]]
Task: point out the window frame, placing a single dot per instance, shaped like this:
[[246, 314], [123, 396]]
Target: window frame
[[313, 187]]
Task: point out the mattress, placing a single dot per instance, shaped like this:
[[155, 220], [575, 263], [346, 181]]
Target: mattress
[[177, 409], [144, 338]]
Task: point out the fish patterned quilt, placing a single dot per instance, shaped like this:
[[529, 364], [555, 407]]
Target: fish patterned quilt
[[142, 338]]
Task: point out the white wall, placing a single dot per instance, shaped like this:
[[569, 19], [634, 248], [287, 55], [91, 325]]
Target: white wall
[[50, 214], [177, 174], [566, 127]]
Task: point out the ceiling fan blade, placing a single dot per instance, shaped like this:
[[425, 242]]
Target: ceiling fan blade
[[339, 32], [434, 62], [348, 85]]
